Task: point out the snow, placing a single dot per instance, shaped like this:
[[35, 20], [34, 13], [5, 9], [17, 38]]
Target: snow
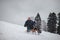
[[9, 31]]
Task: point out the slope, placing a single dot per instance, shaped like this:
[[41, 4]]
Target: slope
[[9, 31]]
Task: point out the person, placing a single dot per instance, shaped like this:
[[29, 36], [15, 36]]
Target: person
[[29, 24]]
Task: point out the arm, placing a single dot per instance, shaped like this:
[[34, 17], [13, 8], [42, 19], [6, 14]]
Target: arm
[[25, 24]]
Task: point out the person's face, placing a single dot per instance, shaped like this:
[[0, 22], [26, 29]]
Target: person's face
[[29, 19]]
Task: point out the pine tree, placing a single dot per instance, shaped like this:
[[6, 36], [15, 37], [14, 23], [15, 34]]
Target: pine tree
[[38, 22], [58, 28], [37, 18], [52, 22], [49, 23]]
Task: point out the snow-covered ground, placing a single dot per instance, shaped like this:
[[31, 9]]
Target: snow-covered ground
[[10, 31]]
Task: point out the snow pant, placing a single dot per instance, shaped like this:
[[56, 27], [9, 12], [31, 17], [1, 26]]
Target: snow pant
[[28, 29]]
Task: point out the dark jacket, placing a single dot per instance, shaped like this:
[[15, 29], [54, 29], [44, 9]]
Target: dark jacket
[[29, 23]]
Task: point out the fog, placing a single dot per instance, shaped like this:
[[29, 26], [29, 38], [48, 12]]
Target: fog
[[17, 11]]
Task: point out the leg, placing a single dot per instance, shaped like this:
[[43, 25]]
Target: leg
[[28, 29]]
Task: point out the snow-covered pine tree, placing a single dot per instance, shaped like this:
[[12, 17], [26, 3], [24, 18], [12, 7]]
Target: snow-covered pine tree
[[38, 22], [52, 23], [49, 23], [58, 28]]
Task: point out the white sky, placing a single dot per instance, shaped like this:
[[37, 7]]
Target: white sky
[[17, 11]]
